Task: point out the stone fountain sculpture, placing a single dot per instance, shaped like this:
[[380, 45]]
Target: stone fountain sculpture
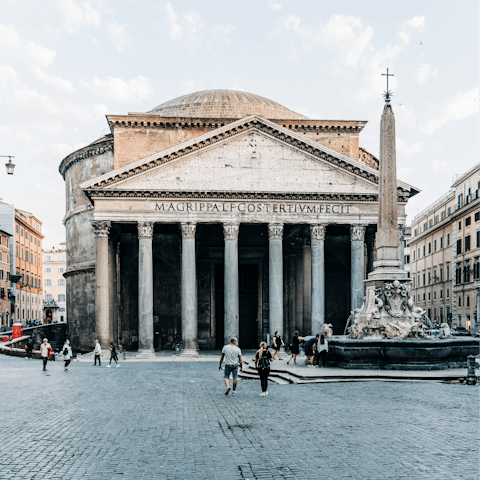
[[388, 310]]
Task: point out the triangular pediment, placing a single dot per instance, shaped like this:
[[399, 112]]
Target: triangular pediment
[[250, 155]]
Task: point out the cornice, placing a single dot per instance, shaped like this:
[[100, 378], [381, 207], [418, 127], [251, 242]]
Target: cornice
[[76, 211], [88, 151], [80, 268]]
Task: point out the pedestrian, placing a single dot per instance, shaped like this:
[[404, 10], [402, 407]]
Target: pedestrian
[[233, 357], [113, 355], [321, 351], [277, 344], [262, 364], [67, 354], [29, 348], [295, 347], [310, 349], [98, 354], [46, 353]]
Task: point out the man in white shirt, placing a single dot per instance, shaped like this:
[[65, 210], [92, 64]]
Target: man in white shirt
[[233, 357], [98, 354]]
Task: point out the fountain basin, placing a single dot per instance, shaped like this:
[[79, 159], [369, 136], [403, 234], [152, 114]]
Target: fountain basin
[[410, 354]]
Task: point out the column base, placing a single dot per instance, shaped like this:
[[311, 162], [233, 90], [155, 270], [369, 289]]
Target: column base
[[189, 352], [146, 353]]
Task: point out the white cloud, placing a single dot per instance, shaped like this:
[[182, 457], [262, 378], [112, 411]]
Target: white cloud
[[405, 117], [439, 166], [225, 32], [78, 15], [274, 5], [424, 72], [53, 80], [7, 75], [408, 27], [405, 172], [121, 91], [119, 37], [308, 113], [188, 28], [23, 49], [408, 149], [455, 108]]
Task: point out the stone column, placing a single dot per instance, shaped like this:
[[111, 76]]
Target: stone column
[[299, 286], [231, 289], [275, 267], [103, 326], [401, 252], [189, 290], [318, 277], [357, 243], [307, 284], [291, 327], [145, 289], [112, 282]]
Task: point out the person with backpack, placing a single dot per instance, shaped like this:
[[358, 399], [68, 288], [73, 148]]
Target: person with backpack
[[113, 355], [277, 344], [262, 363], [46, 353], [67, 354], [295, 347], [321, 351], [97, 353]]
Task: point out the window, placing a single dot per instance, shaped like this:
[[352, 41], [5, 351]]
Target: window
[[441, 294], [21, 232], [61, 310], [416, 232], [466, 273], [423, 298], [413, 253], [430, 222], [448, 272], [61, 297], [48, 282], [418, 256], [459, 225], [48, 297], [1, 275], [61, 270], [449, 211], [467, 301], [467, 243], [429, 247], [424, 279], [428, 296], [413, 281], [434, 245], [61, 258], [49, 258], [442, 215], [448, 239], [418, 281], [429, 278], [424, 250], [477, 216], [441, 274], [61, 282], [418, 298], [448, 293], [48, 270], [476, 268], [407, 259], [436, 219], [460, 201], [441, 243], [16, 228], [468, 221], [459, 246], [478, 238], [459, 301], [425, 226], [435, 295]]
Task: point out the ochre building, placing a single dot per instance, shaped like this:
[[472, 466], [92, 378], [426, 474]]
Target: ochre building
[[218, 214]]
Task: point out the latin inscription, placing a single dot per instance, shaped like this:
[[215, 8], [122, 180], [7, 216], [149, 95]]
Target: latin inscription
[[245, 207]]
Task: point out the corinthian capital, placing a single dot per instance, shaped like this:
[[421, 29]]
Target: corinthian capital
[[188, 230], [357, 232], [230, 231], [101, 228], [317, 232], [275, 230], [145, 229]]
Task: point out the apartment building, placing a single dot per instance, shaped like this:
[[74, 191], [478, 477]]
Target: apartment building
[[5, 292], [444, 254], [28, 264], [54, 265]]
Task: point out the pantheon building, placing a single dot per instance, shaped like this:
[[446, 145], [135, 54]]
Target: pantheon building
[[217, 214]]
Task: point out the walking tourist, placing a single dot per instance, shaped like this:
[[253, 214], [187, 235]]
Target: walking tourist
[[310, 349], [321, 351], [29, 348], [67, 354], [277, 344], [262, 364], [233, 357], [295, 347], [46, 353], [98, 354], [113, 355]]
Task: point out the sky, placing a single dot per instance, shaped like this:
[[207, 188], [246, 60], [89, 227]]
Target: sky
[[65, 64]]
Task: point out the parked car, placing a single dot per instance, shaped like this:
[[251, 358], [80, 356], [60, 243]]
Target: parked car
[[461, 332], [34, 323]]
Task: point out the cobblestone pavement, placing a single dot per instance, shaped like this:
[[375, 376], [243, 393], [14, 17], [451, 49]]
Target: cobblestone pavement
[[173, 421]]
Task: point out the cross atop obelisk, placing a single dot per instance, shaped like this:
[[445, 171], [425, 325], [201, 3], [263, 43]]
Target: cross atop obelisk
[[387, 93]]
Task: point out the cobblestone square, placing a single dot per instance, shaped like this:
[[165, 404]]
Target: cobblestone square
[[172, 421]]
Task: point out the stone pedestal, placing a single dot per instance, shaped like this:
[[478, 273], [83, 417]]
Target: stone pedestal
[[275, 234], [145, 290], [231, 289], [189, 290]]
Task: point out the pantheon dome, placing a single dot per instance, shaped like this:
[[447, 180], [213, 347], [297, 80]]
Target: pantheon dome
[[224, 104]]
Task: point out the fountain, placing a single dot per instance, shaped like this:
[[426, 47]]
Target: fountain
[[389, 331]]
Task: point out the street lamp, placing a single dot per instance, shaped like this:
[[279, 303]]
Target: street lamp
[[10, 165]]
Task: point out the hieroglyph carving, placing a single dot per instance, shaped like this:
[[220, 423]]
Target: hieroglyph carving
[[357, 232], [275, 230], [188, 230], [101, 228], [145, 229], [230, 231], [317, 232]]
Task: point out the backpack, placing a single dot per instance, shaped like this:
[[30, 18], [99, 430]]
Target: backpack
[[65, 351], [263, 363]]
